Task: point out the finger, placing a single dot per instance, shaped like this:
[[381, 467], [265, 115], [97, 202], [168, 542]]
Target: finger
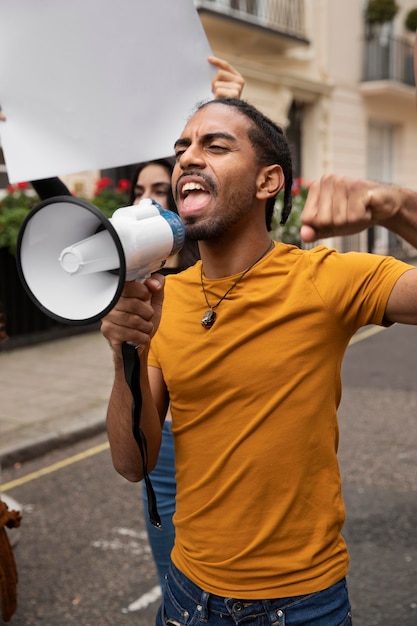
[[308, 234], [118, 335], [227, 90], [325, 206], [136, 289], [156, 282], [310, 208], [349, 199], [132, 308], [121, 326], [156, 285], [328, 203], [136, 315], [221, 64], [227, 82]]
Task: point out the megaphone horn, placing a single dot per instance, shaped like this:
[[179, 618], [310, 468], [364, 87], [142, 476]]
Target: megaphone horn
[[73, 261]]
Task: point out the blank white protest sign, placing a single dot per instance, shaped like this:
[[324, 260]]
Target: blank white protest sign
[[92, 84]]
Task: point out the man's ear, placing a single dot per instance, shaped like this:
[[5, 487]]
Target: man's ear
[[269, 182]]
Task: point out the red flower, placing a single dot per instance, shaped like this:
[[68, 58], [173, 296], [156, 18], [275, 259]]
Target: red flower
[[101, 184], [10, 188], [22, 186], [295, 189], [298, 187], [123, 185]]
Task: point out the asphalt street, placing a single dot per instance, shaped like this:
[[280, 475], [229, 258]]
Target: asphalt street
[[378, 458], [83, 556]]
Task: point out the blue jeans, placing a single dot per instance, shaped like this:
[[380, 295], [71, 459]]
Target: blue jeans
[[185, 604], [163, 482]]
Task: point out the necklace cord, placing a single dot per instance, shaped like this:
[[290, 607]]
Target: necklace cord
[[237, 281], [210, 315]]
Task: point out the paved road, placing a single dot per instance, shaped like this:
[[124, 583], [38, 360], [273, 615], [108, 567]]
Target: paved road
[[83, 557], [378, 456]]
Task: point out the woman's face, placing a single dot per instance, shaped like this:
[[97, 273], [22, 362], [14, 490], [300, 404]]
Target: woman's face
[[153, 182]]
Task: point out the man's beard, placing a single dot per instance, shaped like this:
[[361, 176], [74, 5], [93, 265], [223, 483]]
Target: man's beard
[[239, 205], [203, 231]]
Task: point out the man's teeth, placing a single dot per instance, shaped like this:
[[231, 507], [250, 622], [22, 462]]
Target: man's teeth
[[192, 187]]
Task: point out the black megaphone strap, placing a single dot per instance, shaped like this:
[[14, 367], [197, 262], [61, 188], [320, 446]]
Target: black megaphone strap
[[131, 364]]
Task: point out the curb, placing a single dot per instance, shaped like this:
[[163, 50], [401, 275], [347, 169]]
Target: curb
[[41, 444]]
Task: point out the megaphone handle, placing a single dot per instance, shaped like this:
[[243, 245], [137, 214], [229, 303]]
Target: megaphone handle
[[131, 364]]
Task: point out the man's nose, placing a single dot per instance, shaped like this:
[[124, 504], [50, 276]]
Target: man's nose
[[192, 156]]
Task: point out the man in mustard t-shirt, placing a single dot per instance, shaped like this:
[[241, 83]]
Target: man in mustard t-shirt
[[247, 347]]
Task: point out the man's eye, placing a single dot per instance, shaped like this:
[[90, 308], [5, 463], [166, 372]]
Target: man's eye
[[216, 148]]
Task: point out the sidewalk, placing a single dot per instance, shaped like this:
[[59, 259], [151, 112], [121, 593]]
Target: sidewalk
[[52, 393]]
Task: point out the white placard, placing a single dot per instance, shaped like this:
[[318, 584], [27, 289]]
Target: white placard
[[92, 84]]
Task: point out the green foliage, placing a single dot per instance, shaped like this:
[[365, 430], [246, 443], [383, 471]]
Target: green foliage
[[14, 207], [411, 20], [20, 200], [381, 11], [290, 231], [10, 222]]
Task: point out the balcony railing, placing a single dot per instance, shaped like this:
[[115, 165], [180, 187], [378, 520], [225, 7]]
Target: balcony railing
[[388, 58], [283, 16]]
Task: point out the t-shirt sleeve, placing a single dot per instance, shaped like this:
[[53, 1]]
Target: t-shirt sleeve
[[356, 286]]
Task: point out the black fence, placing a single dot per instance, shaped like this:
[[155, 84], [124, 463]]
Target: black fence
[[25, 324], [388, 58], [283, 16]]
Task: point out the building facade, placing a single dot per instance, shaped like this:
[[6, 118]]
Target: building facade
[[342, 88]]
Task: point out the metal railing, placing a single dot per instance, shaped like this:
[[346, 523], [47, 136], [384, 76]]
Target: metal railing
[[388, 58], [283, 16]]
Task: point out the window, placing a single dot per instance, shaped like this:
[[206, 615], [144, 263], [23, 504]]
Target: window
[[249, 6], [246, 6], [380, 167]]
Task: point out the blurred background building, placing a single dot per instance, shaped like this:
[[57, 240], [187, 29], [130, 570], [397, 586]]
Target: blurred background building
[[337, 75]]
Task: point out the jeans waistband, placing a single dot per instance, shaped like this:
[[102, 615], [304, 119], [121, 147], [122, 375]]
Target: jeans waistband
[[233, 606]]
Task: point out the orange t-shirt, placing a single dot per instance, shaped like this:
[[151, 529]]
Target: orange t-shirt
[[259, 506]]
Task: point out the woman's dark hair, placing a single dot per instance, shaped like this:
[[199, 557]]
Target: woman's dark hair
[[189, 253], [168, 164], [271, 147]]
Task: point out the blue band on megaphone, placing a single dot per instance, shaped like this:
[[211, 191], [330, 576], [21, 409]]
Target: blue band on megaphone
[[177, 227]]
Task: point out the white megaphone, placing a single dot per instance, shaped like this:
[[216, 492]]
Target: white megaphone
[[73, 261]]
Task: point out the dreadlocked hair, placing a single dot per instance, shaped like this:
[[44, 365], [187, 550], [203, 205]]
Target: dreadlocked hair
[[271, 148]]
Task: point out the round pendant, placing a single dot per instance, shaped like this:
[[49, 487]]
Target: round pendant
[[208, 319]]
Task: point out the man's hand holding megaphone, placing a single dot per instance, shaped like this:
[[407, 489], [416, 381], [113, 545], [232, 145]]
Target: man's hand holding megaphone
[[135, 317]]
